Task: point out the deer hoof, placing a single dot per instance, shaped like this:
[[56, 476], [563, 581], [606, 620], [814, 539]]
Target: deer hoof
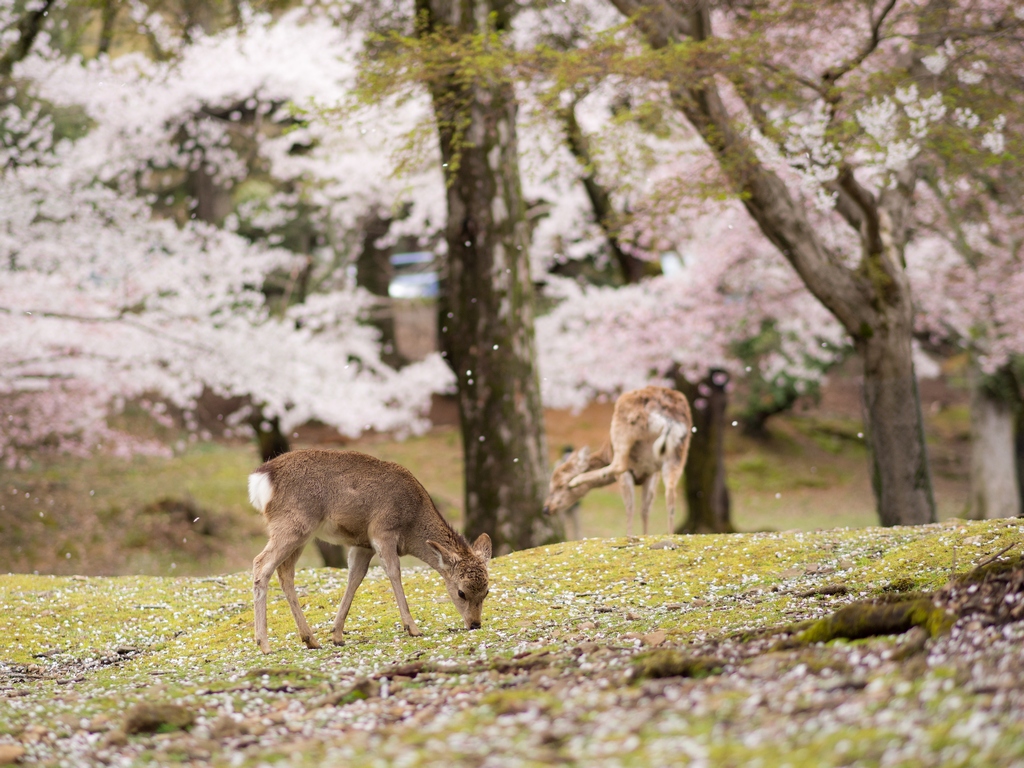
[[413, 630], [311, 642], [264, 646], [338, 639]]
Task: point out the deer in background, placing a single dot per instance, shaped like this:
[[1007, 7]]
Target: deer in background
[[370, 506], [650, 436]]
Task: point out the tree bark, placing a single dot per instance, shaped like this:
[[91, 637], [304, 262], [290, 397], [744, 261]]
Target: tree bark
[[894, 425], [108, 18], [490, 295], [707, 497], [1018, 444], [995, 487], [872, 300], [213, 202]]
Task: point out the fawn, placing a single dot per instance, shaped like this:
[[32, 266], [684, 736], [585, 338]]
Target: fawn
[[650, 435], [371, 506]]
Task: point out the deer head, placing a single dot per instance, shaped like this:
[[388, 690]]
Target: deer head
[[560, 495], [464, 570]]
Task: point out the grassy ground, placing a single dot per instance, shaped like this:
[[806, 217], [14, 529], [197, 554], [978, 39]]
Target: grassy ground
[[162, 670], [98, 667]]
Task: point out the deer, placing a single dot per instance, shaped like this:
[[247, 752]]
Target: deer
[[370, 506], [650, 437]]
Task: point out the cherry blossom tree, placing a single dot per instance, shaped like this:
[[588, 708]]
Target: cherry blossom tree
[[823, 120], [104, 301]]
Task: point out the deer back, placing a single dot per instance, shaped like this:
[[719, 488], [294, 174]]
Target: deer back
[[344, 495]]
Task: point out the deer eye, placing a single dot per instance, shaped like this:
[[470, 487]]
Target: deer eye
[[462, 594]]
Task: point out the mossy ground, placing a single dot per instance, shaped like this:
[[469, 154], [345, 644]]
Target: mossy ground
[[549, 677]]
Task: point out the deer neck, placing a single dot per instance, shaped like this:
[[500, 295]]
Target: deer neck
[[434, 528], [602, 458]]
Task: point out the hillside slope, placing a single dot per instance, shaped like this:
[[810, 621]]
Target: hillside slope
[[644, 651]]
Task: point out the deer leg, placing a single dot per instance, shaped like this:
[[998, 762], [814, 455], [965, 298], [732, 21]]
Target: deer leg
[[647, 499], [597, 477], [263, 567], [673, 475], [626, 488], [286, 575], [358, 562], [388, 554]]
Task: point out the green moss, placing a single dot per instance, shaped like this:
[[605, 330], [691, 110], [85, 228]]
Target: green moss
[[870, 618], [158, 718], [513, 702], [189, 641], [672, 663]]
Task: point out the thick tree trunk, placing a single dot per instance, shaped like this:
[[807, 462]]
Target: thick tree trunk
[[895, 429], [272, 442], [707, 497], [871, 300], [490, 299], [995, 486]]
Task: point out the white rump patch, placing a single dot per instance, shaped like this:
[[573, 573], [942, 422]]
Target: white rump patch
[[668, 441], [260, 490]]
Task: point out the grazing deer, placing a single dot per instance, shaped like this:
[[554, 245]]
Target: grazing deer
[[650, 435], [371, 506]]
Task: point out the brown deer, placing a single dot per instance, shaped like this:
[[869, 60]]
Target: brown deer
[[370, 506], [650, 436]]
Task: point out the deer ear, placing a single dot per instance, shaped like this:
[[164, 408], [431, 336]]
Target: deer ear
[[445, 557], [482, 546]]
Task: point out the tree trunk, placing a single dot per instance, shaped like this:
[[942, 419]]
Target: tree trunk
[[995, 487], [108, 17], [333, 554], [213, 202], [490, 298], [707, 497], [28, 28], [900, 475]]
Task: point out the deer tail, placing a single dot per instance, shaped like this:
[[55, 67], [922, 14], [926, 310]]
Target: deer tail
[[261, 490], [671, 436]]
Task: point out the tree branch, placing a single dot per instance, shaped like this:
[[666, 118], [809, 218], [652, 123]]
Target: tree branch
[[832, 75], [765, 195], [660, 23], [600, 199], [120, 318], [866, 203], [28, 29]]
